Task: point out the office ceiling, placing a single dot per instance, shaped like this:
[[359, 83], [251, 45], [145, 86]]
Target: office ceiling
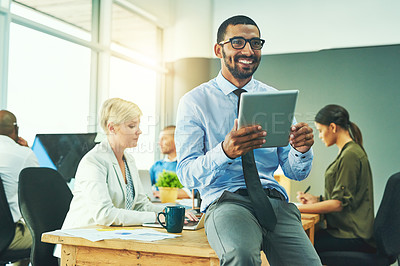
[[127, 28], [74, 12]]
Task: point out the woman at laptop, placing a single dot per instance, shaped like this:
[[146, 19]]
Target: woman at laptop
[[107, 187], [348, 203]]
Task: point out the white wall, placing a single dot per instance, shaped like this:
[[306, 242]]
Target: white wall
[[288, 26], [161, 10], [187, 26], [309, 25], [191, 33]]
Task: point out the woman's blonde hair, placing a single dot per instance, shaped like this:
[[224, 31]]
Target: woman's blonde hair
[[118, 111]]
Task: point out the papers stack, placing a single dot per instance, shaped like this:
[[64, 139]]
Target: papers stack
[[94, 234]]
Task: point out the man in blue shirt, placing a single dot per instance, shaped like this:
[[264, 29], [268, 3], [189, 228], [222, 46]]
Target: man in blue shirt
[[168, 163], [167, 147], [210, 146]]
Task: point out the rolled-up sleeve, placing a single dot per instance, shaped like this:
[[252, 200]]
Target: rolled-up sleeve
[[295, 165], [345, 186]]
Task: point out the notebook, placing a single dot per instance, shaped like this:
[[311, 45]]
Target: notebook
[[191, 225]]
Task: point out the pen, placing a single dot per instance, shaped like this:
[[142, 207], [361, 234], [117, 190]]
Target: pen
[[307, 189]]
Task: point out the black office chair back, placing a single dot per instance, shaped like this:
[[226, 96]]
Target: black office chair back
[[387, 221], [386, 233], [7, 226], [7, 232], [44, 199]]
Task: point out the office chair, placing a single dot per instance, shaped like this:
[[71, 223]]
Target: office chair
[[386, 233], [44, 199], [7, 232]]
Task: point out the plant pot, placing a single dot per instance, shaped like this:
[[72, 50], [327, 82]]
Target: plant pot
[[168, 194]]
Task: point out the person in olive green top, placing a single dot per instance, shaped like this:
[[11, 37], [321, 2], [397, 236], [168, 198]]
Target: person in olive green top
[[348, 203]]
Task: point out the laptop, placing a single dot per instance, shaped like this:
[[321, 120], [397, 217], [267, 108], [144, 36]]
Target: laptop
[[191, 225], [144, 176]]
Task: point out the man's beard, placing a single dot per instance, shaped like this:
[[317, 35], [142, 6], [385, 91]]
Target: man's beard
[[235, 71]]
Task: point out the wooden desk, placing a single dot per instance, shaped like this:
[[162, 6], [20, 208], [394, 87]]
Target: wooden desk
[[309, 220], [192, 248], [283, 181]]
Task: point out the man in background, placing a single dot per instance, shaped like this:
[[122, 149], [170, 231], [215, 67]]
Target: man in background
[[15, 155], [168, 163]]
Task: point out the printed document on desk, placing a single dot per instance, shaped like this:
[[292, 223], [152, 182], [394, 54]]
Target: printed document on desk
[[97, 234]]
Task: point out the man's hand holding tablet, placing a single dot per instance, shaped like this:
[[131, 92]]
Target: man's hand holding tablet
[[301, 137]]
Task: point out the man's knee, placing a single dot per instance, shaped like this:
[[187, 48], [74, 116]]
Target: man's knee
[[241, 256]]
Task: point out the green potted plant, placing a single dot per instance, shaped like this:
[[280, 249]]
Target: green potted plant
[[168, 184]]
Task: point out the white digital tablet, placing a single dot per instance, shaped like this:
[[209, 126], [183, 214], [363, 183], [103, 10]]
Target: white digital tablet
[[273, 111]]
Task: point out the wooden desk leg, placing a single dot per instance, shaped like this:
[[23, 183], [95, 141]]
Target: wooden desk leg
[[68, 255], [311, 232], [214, 262]]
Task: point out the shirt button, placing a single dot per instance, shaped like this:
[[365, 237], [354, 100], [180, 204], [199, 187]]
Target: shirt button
[[302, 157]]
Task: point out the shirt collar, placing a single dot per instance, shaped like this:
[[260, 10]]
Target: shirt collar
[[7, 139], [168, 160], [228, 87]]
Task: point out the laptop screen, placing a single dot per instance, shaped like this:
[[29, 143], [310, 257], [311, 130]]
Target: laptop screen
[[62, 152]]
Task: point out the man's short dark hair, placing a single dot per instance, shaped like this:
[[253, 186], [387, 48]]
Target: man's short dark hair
[[235, 20], [7, 122]]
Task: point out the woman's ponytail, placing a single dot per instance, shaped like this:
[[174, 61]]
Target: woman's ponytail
[[355, 133]]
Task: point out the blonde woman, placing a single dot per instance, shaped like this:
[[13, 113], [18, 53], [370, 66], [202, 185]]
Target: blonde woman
[[107, 187]]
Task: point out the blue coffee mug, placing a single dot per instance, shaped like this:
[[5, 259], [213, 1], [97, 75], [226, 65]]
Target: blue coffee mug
[[174, 218]]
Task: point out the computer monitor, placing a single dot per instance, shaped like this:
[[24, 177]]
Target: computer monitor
[[63, 152]]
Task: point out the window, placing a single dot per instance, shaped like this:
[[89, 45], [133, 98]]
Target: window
[[58, 70], [137, 84], [48, 83], [134, 39], [70, 16], [134, 33]]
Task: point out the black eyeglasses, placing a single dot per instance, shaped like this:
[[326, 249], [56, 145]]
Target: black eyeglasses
[[240, 43]]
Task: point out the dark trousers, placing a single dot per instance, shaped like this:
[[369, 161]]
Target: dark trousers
[[236, 236], [326, 242]]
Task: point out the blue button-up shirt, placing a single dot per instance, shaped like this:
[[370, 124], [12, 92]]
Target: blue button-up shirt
[[205, 116]]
